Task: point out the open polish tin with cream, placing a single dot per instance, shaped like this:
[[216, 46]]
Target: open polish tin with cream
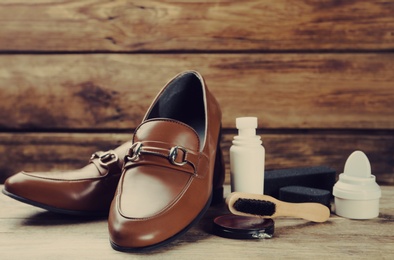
[[243, 227]]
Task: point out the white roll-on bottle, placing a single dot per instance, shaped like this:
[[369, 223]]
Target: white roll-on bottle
[[247, 158], [356, 192]]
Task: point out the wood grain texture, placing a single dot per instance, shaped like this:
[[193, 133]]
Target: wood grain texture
[[43, 235], [113, 91], [317, 74], [62, 151], [220, 25]]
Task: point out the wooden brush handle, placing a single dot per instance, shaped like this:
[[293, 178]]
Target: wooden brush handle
[[315, 212]]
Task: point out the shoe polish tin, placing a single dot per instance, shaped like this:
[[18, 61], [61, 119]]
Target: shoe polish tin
[[243, 227]]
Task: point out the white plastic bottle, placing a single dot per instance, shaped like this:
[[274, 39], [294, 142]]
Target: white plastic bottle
[[247, 158], [356, 192]]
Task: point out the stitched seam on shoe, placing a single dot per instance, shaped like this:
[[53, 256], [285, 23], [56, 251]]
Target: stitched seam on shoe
[[200, 157], [159, 119], [68, 180]]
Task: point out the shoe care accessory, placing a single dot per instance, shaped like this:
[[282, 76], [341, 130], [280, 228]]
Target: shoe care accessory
[[248, 204], [243, 227], [247, 157], [356, 192], [299, 194], [317, 177]]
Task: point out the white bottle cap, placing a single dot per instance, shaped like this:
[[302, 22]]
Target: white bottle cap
[[246, 126], [356, 192]]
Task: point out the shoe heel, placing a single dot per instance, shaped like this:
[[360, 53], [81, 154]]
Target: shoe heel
[[218, 176], [217, 196]]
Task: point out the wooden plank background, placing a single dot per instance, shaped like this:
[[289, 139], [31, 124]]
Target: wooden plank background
[[78, 76], [251, 25]]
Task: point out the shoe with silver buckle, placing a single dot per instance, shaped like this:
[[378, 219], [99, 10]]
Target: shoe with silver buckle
[[173, 169], [87, 191]]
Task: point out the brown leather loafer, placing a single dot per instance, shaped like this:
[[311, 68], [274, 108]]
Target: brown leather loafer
[[86, 191], [168, 174]]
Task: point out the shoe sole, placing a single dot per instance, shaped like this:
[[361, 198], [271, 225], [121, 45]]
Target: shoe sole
[[54, 209], [168, 240]]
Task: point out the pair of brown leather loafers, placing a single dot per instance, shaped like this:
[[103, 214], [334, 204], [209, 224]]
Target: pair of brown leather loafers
[[156, 186]]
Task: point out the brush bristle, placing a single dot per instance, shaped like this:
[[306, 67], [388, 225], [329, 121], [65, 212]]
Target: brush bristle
[[255, 207]]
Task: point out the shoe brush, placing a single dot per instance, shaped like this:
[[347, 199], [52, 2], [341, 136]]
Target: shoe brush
[[264, 206]]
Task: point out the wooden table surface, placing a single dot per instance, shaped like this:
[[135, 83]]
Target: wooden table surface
[[27, 232]]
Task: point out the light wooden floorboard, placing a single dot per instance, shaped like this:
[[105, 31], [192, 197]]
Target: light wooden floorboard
[[30, 233]]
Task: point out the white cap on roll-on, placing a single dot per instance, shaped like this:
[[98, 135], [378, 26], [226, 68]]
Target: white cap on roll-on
[[246, 126], [246, 122]]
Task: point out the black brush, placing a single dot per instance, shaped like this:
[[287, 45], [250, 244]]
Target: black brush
[[248, 204]]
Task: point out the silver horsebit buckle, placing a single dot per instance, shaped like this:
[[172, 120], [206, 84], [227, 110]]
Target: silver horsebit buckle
[[174, 153], [106, 158], [136, 150], [136, 154]]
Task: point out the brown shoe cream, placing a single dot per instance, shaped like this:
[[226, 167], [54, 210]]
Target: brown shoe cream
[[86, 191], [168, 173]]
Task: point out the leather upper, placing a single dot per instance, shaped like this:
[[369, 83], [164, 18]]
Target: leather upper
[[161, 192], [89, 189]]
